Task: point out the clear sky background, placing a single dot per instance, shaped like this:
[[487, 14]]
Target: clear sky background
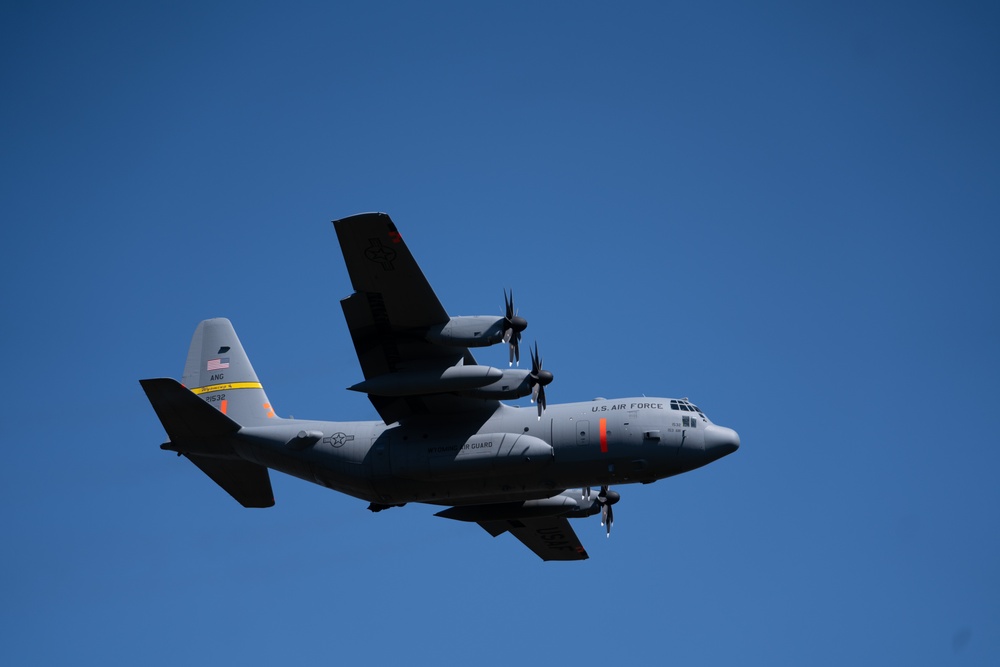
[[786, 211]]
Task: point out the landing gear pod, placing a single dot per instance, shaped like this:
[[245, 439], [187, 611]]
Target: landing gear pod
[[484, 454]]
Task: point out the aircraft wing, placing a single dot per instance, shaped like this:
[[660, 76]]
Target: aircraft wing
[[388, 314], [551, 537], [382, 268]]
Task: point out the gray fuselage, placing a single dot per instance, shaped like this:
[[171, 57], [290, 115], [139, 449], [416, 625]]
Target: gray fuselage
[[499, 456]]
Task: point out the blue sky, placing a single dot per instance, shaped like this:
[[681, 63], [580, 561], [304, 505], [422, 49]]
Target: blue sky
[[787, 213]]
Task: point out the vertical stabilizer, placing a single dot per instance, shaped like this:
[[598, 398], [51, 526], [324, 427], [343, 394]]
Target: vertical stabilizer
[[219, 371]]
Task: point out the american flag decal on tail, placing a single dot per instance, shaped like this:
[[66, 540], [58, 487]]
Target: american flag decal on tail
[[218, 364]]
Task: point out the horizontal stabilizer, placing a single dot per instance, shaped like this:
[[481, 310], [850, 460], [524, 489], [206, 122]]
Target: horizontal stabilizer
[[201, 433], [247, 482], [185, 417]]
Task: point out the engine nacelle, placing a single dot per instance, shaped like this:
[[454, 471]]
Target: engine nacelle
[[482, 455], [569, 504], [512, 384], [468, 331], [414, 383]]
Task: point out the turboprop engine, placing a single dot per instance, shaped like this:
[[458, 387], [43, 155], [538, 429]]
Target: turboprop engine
[[475, 381], [516, 383], [471, 380], [482, 330], [468, 331], [571, 504]]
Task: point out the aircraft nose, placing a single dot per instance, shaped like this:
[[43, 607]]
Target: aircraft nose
[[720, 441]]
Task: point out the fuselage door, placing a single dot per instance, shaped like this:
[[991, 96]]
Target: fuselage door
[[380, 455]]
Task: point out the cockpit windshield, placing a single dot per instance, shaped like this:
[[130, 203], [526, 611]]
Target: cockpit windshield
[[685, 406]]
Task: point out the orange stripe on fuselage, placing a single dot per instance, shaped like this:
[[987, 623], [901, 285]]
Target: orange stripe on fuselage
[[604, 436]]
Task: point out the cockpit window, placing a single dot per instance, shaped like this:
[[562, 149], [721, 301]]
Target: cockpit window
[[684, 406]]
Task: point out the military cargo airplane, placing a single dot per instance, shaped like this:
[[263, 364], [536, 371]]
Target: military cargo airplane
[[445, 437]]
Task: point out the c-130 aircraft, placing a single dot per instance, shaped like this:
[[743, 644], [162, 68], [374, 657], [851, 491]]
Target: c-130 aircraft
[[445, 437]]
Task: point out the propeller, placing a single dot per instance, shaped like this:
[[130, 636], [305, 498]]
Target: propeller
[[538, 378], [512, 327], [606, 498]]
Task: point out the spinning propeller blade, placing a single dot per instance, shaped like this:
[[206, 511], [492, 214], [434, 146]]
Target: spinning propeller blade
[[538, 378], [512, 327], [607, 498]]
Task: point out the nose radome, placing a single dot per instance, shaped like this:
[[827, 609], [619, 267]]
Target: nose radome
[[720, 441]]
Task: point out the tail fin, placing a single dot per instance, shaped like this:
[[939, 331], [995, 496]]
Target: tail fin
[[219, 371]]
